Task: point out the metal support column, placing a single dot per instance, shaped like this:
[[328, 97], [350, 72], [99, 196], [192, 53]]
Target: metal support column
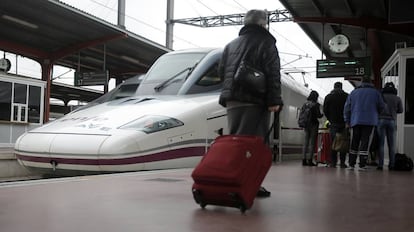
[[47, 66], [170, 24]]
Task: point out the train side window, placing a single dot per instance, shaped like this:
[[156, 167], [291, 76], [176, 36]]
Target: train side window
[[208, 82]]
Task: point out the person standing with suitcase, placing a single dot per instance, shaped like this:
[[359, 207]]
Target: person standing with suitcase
[[248, 108]]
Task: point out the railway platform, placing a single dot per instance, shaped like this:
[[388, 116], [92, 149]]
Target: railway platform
[[311, 199]]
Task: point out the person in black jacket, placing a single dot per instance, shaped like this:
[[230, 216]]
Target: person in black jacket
[[311, 129], [333, 108], [248, 111]]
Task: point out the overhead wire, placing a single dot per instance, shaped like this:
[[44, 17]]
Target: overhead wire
[[105, 5], [207, 7], [289, 41], [243, 8], [142, 22]]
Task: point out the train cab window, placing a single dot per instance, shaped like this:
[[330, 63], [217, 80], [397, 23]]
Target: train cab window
[[125, 91], [172, 66], [208, 82]]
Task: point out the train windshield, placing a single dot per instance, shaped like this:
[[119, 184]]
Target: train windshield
[[169, 66]]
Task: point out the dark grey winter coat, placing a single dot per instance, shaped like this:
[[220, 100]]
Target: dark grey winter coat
[[256, 45]]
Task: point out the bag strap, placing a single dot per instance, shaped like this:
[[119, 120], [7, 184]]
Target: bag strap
[[267, 141], [271, 127]]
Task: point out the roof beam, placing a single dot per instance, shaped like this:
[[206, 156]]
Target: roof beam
[[370, 23], [319, 7], [23, 50], [79, 46], [350, 7]]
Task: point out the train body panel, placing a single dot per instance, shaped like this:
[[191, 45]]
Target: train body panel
[[168, 123]]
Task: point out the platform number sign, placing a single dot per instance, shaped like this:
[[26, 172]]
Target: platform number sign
[[343, 67]]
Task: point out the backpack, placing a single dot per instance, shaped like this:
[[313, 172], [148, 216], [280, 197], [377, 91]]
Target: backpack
[[305, 114], [403, 162]]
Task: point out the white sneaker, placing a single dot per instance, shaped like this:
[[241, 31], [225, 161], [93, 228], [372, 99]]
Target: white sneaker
[[362, 168]]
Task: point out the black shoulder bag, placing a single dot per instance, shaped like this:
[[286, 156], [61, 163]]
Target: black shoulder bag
[[250, 78]]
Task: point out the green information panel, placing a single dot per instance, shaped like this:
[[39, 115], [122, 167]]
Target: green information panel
[[343, 67], [91, 78]]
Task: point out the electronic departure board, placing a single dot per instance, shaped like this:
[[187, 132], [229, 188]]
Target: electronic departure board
[[343, 67]]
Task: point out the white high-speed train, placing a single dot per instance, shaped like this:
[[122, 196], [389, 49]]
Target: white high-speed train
[[168, 122]]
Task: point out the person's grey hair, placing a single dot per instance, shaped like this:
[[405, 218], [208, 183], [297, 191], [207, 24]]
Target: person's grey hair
[[256, 17]]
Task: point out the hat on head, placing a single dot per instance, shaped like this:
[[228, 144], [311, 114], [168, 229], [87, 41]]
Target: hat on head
[[255, 17], [389, 85], [338, 85], [366, 79]]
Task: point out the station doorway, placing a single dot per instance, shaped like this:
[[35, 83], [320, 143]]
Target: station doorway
[[399, 69]]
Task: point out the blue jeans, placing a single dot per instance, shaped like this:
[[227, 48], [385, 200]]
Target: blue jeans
[[386, 127], [311, 134]]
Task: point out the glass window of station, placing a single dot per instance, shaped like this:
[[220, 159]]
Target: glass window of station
[[21, 102]]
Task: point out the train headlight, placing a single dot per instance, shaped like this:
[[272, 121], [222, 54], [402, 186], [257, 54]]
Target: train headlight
[[152, 123]]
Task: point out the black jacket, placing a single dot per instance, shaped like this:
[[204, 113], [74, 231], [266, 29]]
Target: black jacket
[[333, 107], [315, 114], [257, 46]]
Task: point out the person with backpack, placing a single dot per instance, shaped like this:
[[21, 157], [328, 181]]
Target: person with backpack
[[387, 124], [308, 120]]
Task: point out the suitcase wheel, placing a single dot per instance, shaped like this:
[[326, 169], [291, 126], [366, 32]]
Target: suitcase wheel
[[242, 208], [198, 198], [239, 201]]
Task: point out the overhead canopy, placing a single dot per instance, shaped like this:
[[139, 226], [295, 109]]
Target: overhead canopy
[[375, 27], [51, 30]]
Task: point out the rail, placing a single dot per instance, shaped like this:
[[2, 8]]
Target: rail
[[279, 141]]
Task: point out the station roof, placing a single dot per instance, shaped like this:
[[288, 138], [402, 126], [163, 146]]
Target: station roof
[[67, 93], [375, 27], [51, 30]]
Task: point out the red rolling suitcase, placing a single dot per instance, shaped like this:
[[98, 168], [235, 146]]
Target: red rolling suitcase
[[231, 172], [323, 152]]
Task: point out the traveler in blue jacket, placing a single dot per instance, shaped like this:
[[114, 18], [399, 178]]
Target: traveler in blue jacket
[[361, 111]]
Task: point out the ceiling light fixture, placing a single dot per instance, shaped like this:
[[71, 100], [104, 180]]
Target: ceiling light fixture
[[20, 21]]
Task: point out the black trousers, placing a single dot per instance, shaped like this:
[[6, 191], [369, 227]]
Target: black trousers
[[361, 138]]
